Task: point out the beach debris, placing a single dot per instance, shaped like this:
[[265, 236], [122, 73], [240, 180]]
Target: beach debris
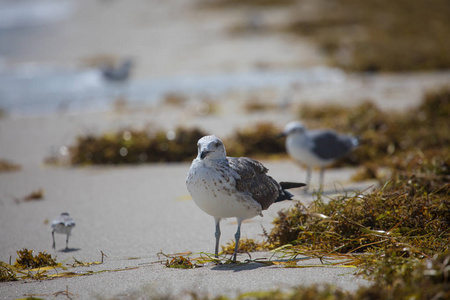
[[36, 195], [7, 272], [178, 261], [255, 105], [33, 196], [175, 99], [27, 260], [384, 136], [40, 267], [136, 146], [255, 141], [65, 293], [7, 166], [246, 245]]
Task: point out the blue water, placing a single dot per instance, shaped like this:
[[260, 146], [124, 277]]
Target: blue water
[[42, 89], [16, 14], [37, 89]]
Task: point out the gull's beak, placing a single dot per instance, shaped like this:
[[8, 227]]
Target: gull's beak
[[280, 135], [204, 153]]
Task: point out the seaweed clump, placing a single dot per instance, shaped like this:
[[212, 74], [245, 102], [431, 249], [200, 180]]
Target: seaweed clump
[[139, 146], [7, 273], [404, 214], [385, 138], [246, 245], [180, 262], [380, 35], [136, 146], [6, 166], [27, 260], [259, 140]]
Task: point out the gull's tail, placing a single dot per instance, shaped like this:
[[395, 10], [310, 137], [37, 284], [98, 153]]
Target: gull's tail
[[285, 195]]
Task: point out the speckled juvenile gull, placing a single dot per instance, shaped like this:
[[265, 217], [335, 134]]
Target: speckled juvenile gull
[[316, 148], [63, 224], [226, 187]]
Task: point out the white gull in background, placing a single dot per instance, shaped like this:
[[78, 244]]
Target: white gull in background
[[63, 224], [226, 187], [316, 148]]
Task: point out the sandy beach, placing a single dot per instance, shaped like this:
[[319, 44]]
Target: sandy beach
[[131, 213]]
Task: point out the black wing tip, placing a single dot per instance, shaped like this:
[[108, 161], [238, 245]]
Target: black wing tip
[[285, 195], [291, 185]]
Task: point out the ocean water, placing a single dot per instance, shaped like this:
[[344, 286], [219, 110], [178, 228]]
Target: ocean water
[[37, 89], [16, 14]]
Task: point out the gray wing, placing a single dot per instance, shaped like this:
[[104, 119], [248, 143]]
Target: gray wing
[[70, 223], [63, 220], [253, 179], [329, 144]]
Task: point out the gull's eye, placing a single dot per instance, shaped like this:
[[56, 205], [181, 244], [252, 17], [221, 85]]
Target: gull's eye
[[216, 144]]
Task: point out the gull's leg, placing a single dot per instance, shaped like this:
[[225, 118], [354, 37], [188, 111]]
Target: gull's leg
[[237, 236], [53, 235], [217, 234], [322, 172], [308, 178], [67, 242]]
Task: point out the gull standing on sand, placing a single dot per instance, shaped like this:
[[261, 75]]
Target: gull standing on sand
[[63, 224], [316, 148], [226, 187]]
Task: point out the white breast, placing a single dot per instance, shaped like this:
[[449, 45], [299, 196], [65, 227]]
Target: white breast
[[300, 148], [213, 190], [61, 228]]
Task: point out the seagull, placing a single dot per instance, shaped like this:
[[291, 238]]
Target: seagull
[[226, 187], [119, 73], [63, 224], [316, 148]]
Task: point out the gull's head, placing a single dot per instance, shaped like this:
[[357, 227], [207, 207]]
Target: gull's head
[[294, 127], [211, 147]]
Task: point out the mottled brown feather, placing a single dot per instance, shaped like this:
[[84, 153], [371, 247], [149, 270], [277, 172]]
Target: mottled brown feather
[[253, 179]]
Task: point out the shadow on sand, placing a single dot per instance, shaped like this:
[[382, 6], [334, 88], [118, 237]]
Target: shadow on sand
[[250, 264], [68, 250]]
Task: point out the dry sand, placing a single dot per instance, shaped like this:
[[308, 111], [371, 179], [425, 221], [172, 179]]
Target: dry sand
[[133, 212]]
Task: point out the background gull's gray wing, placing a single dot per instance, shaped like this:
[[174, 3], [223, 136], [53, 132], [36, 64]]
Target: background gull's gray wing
[[253, 179], [329, 144]]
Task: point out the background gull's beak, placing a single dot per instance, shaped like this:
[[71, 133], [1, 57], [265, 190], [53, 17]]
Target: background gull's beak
[[280, 135]]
